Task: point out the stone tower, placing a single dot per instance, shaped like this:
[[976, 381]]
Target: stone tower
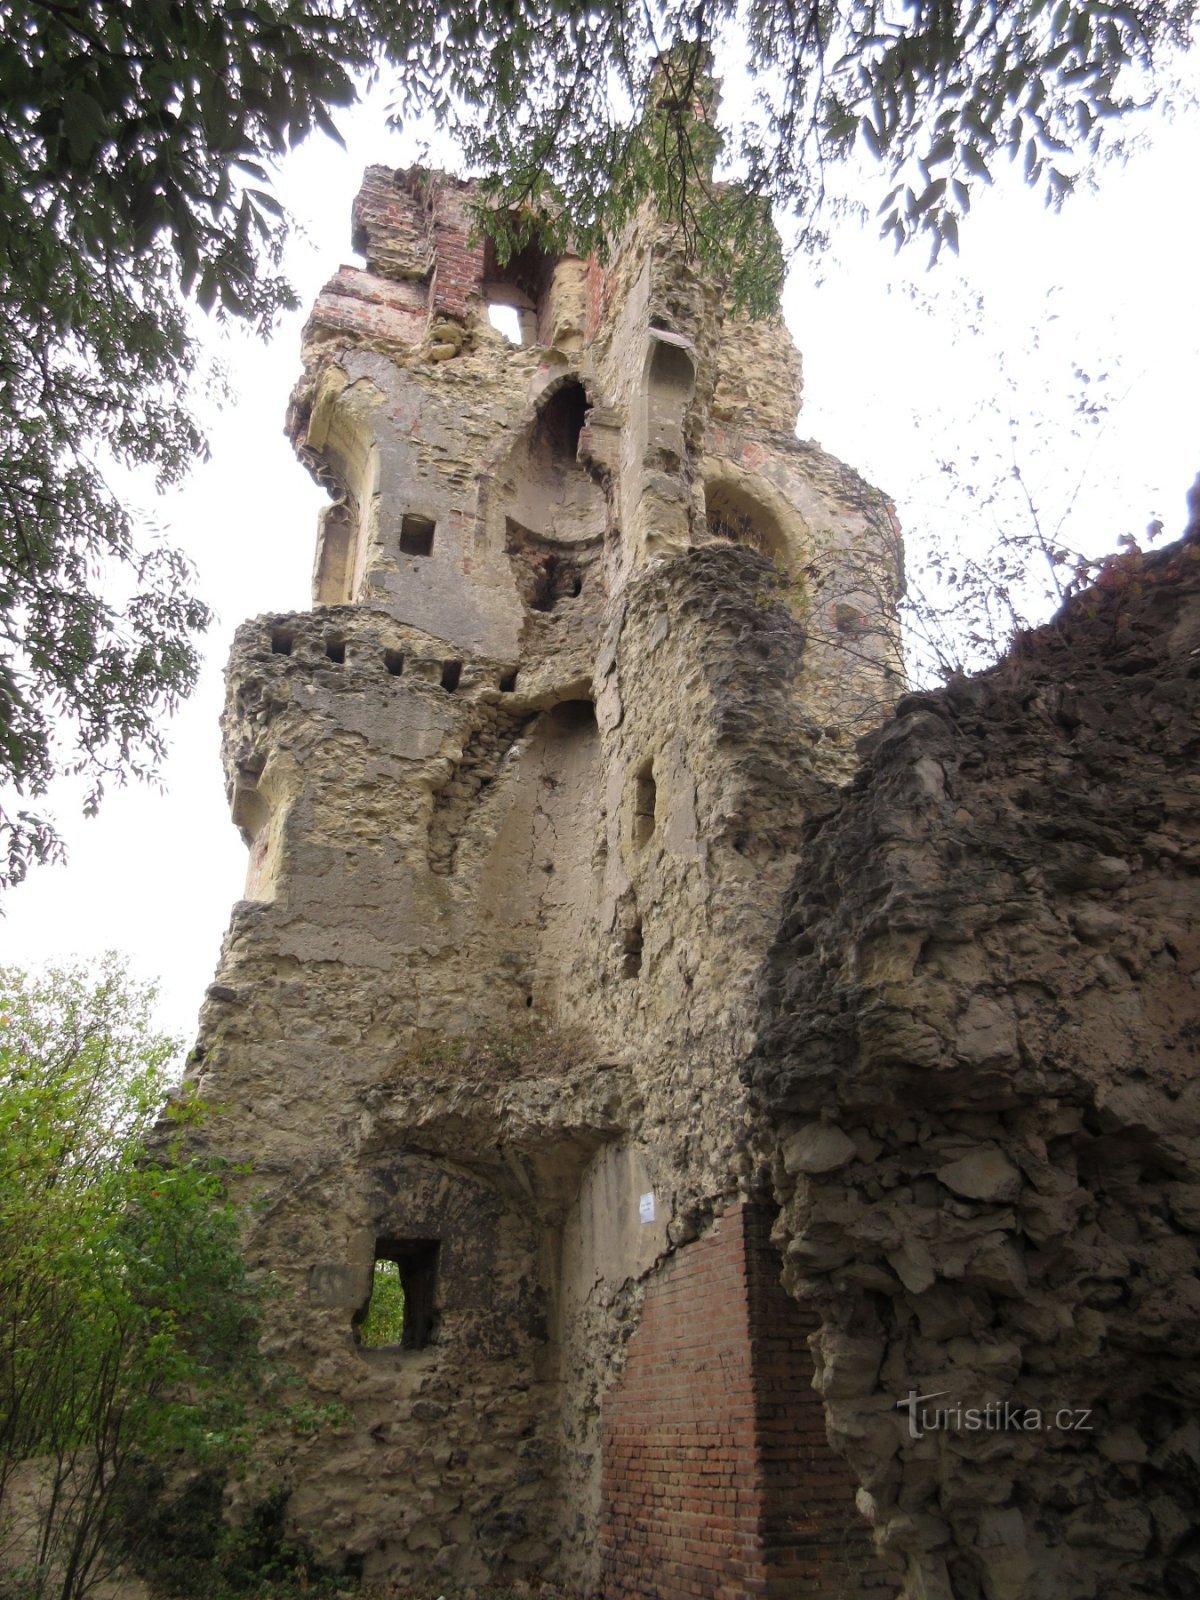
[[592, 636]]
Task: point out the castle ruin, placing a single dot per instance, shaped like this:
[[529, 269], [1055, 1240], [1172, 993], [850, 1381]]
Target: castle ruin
[[704, 1106]]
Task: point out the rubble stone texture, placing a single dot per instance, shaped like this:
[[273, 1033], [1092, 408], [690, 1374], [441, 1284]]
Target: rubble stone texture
[[568, 967], [980, 1077]]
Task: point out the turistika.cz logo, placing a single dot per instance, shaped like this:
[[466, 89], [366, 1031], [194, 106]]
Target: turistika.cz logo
[[996, 1416]]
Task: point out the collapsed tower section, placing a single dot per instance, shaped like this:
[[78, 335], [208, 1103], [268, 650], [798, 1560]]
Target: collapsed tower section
[[592, 636]]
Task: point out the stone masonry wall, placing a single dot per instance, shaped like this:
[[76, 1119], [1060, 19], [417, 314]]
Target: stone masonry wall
[[522, 795], [981, 1062], [574, 928]]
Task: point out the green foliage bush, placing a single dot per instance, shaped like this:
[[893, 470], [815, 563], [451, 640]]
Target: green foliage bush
[[179, 1542], [129, 1327], [384, 1321]]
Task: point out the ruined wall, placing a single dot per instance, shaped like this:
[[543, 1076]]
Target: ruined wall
[[717, 1475], [569, 962], [522, 795], [980, 1061]]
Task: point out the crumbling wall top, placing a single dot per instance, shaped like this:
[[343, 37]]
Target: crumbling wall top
[[391, 222]]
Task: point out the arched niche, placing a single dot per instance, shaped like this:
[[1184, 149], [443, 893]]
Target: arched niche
[[548, 293], [556, 429], [520, 283], [258, 817], [668, 386], [337, 551], [341, 434], [547, 511], [537, 885], [740, 509]]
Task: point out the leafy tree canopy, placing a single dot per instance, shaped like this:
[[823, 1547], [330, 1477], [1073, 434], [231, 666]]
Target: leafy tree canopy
[[135, 140], [132, 143], [129, 1327], [582, 113]]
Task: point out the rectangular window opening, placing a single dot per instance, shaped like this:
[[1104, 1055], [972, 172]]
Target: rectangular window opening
[[506, 320], [399, 1312], [508, 683], [631, 961], [451, 673], [645, 804], [335, 649], [416, 535], [281, 642], [393, 660]]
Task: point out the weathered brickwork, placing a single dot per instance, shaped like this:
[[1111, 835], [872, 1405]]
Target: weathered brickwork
[[683, 1500], [718, 1477], [815, 1542]]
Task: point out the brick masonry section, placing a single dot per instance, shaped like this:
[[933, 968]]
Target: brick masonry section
[[718, 1480]]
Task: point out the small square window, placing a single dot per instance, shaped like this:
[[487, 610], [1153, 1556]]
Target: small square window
[[416, 536], [399, 1311], [645, 804]]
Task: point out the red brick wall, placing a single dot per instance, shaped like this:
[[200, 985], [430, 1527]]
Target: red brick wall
[[362, 303], [717, 1477], [458, 273], [814, 1541]]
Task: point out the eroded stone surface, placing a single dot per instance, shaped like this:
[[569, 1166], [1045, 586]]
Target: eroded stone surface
[[988, 985], [523, 794], [565, 944]]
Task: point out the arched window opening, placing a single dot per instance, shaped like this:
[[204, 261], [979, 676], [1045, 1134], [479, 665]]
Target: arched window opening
[[560, 422]]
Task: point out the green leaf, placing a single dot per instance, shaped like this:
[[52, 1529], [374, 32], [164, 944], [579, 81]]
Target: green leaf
[[85, 124]]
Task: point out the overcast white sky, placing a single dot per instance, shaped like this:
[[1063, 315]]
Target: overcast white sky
[[886, 387]]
